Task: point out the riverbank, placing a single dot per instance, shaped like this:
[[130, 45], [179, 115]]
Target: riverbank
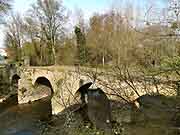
[[158, 115]]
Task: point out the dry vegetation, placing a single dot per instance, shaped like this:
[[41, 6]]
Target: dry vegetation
[[109, 39]]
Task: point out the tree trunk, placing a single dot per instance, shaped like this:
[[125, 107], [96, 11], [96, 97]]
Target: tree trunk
[[103, 59], [54, 55]]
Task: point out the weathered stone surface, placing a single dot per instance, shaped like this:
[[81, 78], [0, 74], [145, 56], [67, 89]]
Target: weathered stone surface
[[64, 82]]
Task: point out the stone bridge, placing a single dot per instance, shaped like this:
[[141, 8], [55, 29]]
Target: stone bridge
[[58, 82], [61, 83]]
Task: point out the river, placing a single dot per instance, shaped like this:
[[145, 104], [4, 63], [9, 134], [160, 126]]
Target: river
[[34, 118], [25, 119]]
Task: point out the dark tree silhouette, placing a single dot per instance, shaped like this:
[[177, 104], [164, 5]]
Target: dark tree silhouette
[[81, 42]]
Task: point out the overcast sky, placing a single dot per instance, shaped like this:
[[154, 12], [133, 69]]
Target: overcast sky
[[88, 7]]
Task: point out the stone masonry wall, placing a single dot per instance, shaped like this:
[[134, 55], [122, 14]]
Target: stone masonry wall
[[65, 82]]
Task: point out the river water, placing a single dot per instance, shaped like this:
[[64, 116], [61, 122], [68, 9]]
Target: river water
[[25, 119], [33, 118], [22, 119]]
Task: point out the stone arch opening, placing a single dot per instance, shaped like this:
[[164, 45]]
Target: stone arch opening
[[14, 82], [13, 98], [43, 92], [43, 87]]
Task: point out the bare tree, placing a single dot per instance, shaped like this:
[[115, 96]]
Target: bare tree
[[50, 17], [5, 5], [14, 36], [80, 19]]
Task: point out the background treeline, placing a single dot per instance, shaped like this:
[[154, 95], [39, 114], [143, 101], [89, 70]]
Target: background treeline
[[112, 38]]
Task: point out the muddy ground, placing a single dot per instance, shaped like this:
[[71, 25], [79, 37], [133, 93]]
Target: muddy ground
[[158, 115]]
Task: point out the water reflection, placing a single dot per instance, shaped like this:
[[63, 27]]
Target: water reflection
[[25, 119], [33, 118]]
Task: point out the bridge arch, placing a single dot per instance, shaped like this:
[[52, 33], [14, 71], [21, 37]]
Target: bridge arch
[[42, 84], [16, 77], [14, 86], [14, 81]]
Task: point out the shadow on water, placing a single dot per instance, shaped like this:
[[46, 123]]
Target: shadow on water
[[25, 119], [154, 117], [9, 102]]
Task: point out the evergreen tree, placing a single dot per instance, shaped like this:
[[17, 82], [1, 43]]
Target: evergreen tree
[[81, 44]]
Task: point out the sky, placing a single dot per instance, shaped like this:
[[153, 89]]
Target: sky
[[87, 6]]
